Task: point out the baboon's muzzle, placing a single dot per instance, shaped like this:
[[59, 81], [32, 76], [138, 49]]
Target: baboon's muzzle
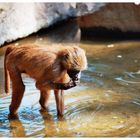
[[73, 74]]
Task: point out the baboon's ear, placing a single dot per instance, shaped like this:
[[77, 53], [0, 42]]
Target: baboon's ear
[[64, 55]]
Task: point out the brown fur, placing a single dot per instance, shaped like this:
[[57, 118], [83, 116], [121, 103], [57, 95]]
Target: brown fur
[[47, 65]]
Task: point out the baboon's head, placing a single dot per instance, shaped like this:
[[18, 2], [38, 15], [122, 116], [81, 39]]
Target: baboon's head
[[74, 61]]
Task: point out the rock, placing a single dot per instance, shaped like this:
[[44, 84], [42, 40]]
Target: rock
[[70, 33], [18, 20], [87, 8], [122, 16]]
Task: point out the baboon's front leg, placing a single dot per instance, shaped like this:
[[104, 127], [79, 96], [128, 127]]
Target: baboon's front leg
[[17, 90], [44, 97], [59, 97]]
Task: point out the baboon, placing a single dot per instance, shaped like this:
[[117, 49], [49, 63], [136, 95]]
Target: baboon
[[53, 68]]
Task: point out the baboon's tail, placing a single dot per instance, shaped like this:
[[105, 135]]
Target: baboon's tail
[[6, 73]]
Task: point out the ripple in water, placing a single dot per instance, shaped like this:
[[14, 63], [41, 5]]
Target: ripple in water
[[129, 78]]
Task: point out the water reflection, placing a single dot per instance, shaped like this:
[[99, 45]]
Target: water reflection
[[94, 114]]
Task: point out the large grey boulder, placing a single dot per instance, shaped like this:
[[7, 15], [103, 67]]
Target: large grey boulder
[[18, 20]]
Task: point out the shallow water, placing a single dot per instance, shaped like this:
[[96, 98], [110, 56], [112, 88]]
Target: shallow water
[[105, 104]]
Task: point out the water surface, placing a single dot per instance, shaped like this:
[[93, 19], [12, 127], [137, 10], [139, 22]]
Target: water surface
[[105, 104]]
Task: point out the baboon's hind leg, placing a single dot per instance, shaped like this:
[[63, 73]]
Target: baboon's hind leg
[[18, 89]]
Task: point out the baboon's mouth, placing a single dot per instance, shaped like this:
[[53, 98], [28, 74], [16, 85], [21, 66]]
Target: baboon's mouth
[[65, 86]]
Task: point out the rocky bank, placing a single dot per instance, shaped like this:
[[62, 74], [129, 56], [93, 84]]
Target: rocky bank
[[18, 20]]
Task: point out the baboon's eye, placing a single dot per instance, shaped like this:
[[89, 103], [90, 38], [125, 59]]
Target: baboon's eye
[[73, 73]]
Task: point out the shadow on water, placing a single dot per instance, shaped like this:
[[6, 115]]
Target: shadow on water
[[105, 104]]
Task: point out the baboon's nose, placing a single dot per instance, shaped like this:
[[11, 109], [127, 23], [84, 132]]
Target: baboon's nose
[[76, 79]]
